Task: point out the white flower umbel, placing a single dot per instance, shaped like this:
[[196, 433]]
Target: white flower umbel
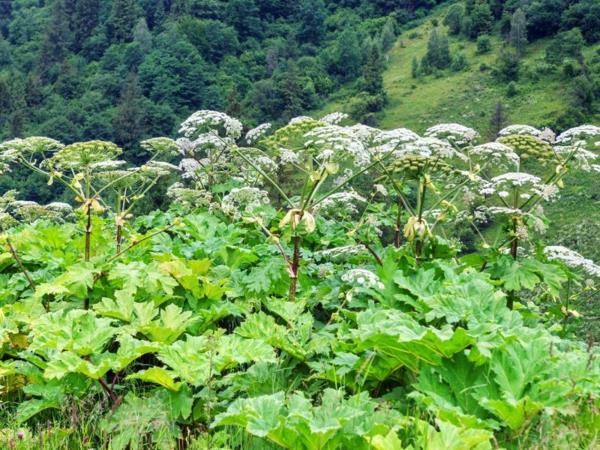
[[576, 133], [287, 156], [103, 166], [453, 133], [255, 134], [526, 184], [334, 118], [189, 168], [160, 146], [388, 141], [495, 153], [362, 278], [35, 145], [577, 155], [429, 147], [158, 168], [336, 144], [207, 120], [340, 205], [243, 202], [520, 129], [572, 259], [203, 144], [364, 133], [188, 197]]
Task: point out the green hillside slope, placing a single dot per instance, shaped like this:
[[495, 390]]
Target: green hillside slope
[[468, 96]]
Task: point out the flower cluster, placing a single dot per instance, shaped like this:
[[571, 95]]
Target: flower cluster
[[244, 202], [334, 118], [453, 133], [385, 142], [581, 132], [160, 147], [527, 185], [528, 147], [362, 278], [83, 155], [576, 154], [28, 147], [187, 197], [572, 259], [338, 253], [206, 120], [520, 129], [29, 211], [256, 133], [495, 153], [335, 144], [340, 205]]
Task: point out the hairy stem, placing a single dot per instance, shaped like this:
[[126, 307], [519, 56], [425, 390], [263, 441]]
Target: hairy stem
[[398, 228], [514, 249], [88, 229], [294, 269], [19, 262]]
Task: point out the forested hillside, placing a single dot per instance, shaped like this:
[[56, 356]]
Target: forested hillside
[[128, 69], [311, 225]]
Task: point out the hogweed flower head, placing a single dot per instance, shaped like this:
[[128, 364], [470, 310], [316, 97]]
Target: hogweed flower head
[[572, 259], [206, 120], [455, 134], [161, 146], [83, 155], [257, 133], [28, 147], [520, 129], [496, 153], [334, 118], [187, 197], [340, 205], [333, 143], [362, 278], [244, 202], [578, 133]]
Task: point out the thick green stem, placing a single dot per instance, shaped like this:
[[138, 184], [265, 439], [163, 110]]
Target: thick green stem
[[294, 269], [19, 262], [420, 209], [88, 230], [398, 228]]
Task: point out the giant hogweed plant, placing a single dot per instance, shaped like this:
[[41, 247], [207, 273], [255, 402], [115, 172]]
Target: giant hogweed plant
[[92, 173], [191, 336]]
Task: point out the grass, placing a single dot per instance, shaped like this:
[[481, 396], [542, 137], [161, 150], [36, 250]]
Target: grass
[[467, 97]]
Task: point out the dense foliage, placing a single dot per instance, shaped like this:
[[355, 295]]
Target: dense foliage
[[307, 288]]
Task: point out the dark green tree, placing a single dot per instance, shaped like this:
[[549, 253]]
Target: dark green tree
[[480, 20], [373, 72], [438, 51], [83, 21], [345, 58], [129, 118], [388, 34], [57, 37], [498, 120], [122, 20], [518, 32], [454, 19], [568, 44], [312, 21]]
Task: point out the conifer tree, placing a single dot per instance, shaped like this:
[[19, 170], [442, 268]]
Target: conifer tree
[[373, 72], [122, 20], [518, 31]]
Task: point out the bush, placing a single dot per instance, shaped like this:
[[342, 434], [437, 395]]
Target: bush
[[511, 89], [459, 62], [484, 45]]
